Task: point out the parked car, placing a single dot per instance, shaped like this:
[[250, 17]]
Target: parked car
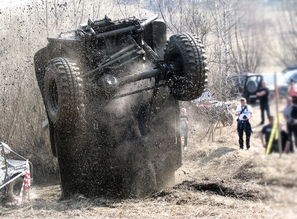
[[293, 77], [246, 85], [281, 83], [205, 96], [212, 110], [15, 175], [290, 73], [290, 68]]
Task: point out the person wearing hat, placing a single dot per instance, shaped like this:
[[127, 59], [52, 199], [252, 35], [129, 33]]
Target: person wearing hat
[[244, 113]]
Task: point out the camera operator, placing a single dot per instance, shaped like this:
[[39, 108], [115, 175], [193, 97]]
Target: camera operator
[[244, 113]]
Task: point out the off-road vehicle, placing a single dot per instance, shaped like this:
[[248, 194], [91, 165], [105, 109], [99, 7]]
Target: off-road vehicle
[[111, 95], [12, 174]]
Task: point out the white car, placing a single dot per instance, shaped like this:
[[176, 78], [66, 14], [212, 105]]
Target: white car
[[281, 83], [290, 73], [15, 175]]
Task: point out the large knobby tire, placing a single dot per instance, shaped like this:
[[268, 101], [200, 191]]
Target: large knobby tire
[[40, 62], [63, 91], [53, 138], [186, 53]]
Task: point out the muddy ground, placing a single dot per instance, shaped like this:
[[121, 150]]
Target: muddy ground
[[216, 180]]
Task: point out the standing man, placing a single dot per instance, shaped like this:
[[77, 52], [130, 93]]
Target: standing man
[[263, 95], [292, 91], [244, 113], [293, 122], [287, 115], [265, 136], [184, 127]]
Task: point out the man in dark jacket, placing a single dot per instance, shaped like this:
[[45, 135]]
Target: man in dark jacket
[[263, 95], [293, 122], [265, 136]]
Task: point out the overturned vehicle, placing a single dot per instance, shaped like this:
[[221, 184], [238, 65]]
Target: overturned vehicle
[[111, 92], [15, 175]]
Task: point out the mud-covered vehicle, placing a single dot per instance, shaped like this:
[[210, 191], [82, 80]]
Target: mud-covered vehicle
[[15, 177], [111, 95]]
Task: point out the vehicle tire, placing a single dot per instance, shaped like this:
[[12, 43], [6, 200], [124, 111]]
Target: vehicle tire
[[53, 138], [251, 86], [186, 53], [14, 189], [40, 62], [63, 91]]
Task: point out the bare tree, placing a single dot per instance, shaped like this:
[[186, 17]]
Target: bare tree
[[237, 44], [20, 102], [246, 44], [185, 16], [78, 11], [222, 19], [286, 53]]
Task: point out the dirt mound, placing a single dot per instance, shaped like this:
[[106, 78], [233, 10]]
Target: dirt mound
[[191, 192], [217, 153], [283, 182], [224, 163], [227, 189], [247, 172]]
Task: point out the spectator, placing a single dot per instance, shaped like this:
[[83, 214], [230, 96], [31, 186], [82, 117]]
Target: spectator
[[263, 95], [244, 113], [265, 136], [293, 122], [184, 127], [292, 91], [287, 115]]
